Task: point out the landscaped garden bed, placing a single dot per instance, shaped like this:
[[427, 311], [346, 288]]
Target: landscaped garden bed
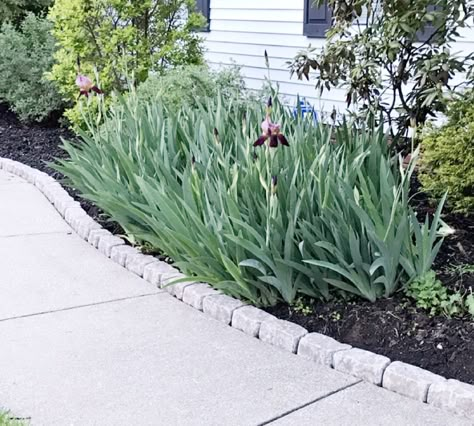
[[327, 225], [37, 145], [391, 326]]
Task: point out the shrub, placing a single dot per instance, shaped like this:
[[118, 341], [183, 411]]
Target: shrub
[[314, 218], [25, 55], [448, 157], [119, 37], [394, 57], [14, 11], [190, 85]]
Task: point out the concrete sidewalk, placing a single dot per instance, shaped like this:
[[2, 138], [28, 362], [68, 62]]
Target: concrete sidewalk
[[85, 342]]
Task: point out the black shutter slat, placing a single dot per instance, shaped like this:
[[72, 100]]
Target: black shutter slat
[[203, 6], [316, 19], [317, 14], [428, 30]]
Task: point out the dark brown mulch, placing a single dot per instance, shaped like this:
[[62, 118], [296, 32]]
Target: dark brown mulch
[[392, 327], [38, 144], [395, 327]]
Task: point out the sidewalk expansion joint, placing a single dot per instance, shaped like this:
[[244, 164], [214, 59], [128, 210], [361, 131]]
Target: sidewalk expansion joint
[[38, 234], [408, 380], [287, 413], [105, 302]]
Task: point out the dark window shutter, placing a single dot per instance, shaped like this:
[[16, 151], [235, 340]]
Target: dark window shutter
[[316, 19], [428, 30], [204, 6]]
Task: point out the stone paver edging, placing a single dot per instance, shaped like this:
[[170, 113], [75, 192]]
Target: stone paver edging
[[396, 376]]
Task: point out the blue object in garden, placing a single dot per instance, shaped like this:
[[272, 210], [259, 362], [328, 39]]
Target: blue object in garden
[[305, 108]]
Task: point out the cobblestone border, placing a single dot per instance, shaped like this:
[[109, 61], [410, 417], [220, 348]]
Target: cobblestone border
[[405, 379]]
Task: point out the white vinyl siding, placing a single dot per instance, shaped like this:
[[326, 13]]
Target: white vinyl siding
[[241, 30]]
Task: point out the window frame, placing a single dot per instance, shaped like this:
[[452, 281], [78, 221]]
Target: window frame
[[204, 7], [424, 35], [313, 29]]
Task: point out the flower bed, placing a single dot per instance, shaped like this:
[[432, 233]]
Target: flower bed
[[364, 314]]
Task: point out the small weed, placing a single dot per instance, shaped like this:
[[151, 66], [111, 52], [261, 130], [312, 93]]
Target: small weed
[[301, 307], [7, 419], [465, 268], [429, 293], [469, 302]]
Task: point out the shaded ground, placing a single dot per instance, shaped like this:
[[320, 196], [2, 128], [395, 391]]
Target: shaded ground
[[38, 144], [392, 327]]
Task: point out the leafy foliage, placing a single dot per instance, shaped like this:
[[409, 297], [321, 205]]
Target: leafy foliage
[[7, 419], [119, 37], [391, 55], [14, 11], [190, 85], [317, 218], [430, 294], [25, 55], [448, 157]]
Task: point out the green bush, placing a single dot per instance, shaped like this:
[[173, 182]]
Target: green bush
[[14, 11], [25, 55], [314, 218], [190, 85], [447, 163], [119, 38], [8, 419]]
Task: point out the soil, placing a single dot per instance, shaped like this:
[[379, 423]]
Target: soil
[[393, 327], [37, 145]]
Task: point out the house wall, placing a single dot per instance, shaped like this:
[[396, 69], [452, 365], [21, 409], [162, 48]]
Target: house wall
[[241, 30]]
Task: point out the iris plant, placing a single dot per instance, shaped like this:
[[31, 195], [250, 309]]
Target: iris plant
[[271, 131]]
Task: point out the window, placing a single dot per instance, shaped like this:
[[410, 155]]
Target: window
[[316, 19], [203, 6], [425, 34]]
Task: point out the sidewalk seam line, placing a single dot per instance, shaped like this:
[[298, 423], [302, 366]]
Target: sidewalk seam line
[[105, 302], [53, 191], [33, 234], [287, 413]]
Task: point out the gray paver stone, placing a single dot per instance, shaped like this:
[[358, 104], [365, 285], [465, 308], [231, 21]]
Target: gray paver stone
[[177, 290], [8, 165], [106, 244], [153, 271], [221, 307], [136, 263], [194, 294], [284, 334], [52, 191], [320, 348], [120, 254], [362, 364], [5, 163], [74, 215], [84, 225], [409, 380], [43, 180], [169, 274], [33, 175], [21, 170], [64, 203], [453, 395], [248, 319], [95, 236], [167, 278]]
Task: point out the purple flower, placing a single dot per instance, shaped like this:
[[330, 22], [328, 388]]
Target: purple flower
[[271, 131], [86, 86]]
